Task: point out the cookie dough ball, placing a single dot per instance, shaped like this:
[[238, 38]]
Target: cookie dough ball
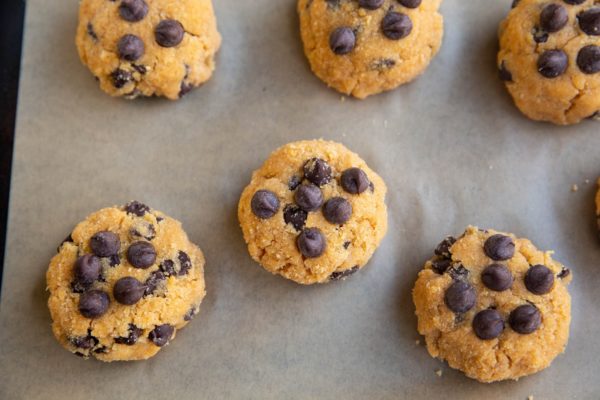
[[364, 47], [493, 306], [123, 283], [598, 205], [148, 47], [550, 59], [314, 212]]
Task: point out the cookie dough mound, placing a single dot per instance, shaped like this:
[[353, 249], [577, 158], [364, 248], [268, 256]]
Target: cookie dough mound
[[493, 306], [550, 59], [148, 47], [314, 212], [122, 284], [365, 47]]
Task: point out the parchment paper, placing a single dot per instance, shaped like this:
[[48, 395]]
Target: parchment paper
[[451, 146]]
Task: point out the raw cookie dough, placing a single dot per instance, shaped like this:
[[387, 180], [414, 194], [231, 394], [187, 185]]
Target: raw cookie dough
[[598, 205], [148, 47], [364, 47], [123, 282], [314, 212], [493, 305], [550, 59]]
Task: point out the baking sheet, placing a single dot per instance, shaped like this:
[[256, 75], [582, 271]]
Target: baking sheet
[[451, 146]]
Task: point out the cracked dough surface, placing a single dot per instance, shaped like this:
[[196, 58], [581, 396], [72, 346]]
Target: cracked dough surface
[[511, 355], [272, 242], [174, 301], [377, 63], [161, 71], [566, 99]]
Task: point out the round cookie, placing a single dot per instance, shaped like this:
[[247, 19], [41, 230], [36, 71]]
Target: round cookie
[[550, 59], [148, 47], [493, 306], [364, 47], [314, 212], [122, 284]]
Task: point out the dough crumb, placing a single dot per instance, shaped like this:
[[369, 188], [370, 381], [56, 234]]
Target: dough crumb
[[574, 188], [417, 342], [438, 372]]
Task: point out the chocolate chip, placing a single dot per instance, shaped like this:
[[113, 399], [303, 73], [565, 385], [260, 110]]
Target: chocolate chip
[[336, 276], [141, 255], [347, 244], [114, 260], [77, 287], [354, 180], [91, 32], [317, 171], [161, 334], [504, 74], [564, 273], [120, 77], [539, 279], [136, 208], [148, 231], [185, 88], [396, 26], [383, 64], [264, 204], [588, 59], [441, 266], [460, 297], [78, 354], [130, 47], [337, 210], [410, 3], [309, 197], [156, 278], [443, 249], [128, 290], [87, 269], [370, 4], [499, 247], [539, 35], [342, 40], [552, 63], [105, 244], [295, 215], [190, 314], [68, 239], [553, 18], [168, 33], [488, 324], [132, 337], [574, 2], [294, 182], [133, 10], [497, 277], [515, 3], [458, 272], [93, 303], [525, 319], [168, 267], [589, 21], [311, 242], [84, 342], [139, 68], [185, 264]]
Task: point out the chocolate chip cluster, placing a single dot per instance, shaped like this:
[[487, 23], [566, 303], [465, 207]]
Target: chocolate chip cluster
[[461, 296], [308, 198], [394, 25]]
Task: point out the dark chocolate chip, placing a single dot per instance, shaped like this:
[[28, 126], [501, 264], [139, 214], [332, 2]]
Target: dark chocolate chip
[[525, 319], [539, 279], [497, 277], [185, 263], [383, 64], [114, 260], [68, 239], [168, 33], [564, 273], [149, 234], [84, 342], [77, 287], [458, 272], [141, 255], [105, 244], [443, 249], [311, 242], [337, 210], [128, 290], [132, 337], [342, 40], [370, 4], [185, 88], [168, 267], [309, 197], [460, 297], [499, 247], [354, 180], [410, 3], [264, 204], [79, 354], [554, 17], [130, 47], [317, 171], [91, 32], [190, 314], [396, 26], [589, 21], [120, 77], [574, 2], [87, 270], [515, 3], [441, 266], [347, 244], [133, 10], [552, 63], [539, 35], [488, 324], [135, 207], [93, 303], [139, 68], [588, 59], [336, 276], [161, 334], [504, 74], [158, 219], [294, 182], [156, 278]]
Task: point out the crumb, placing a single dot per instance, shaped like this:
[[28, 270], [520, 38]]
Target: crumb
[[574, 188], [342, 99], [530, 397], [438, 372], [417, 342]]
